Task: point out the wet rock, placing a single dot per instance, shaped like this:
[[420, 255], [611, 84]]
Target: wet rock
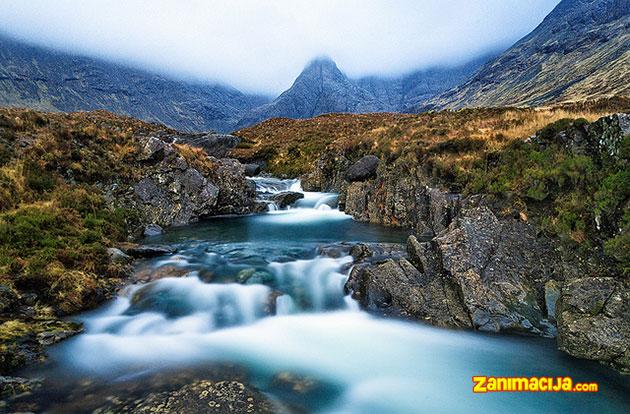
[[254, 277], [153, 230], [286, 198], [118, 256], [53, 336], [376, 252], [146, 251], [149, 274], [222, 397], [252, 170], [594, 320], [297, 384], [12, 387], [363, 169]]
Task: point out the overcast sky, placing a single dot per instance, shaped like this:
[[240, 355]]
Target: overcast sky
[[261, 45]]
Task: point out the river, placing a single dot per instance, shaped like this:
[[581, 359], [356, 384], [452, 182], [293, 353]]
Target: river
[[252, 295]]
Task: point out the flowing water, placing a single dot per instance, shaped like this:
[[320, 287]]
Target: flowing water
[[252, 294]]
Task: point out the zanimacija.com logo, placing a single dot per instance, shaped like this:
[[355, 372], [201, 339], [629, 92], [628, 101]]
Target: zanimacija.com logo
[[485, 384]]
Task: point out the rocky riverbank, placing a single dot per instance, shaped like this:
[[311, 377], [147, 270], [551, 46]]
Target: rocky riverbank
[[531, 238], [75, 191]]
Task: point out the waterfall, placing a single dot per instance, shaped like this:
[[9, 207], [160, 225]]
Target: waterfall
[[267, 188]]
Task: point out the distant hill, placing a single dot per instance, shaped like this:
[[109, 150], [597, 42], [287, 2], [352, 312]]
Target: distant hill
[[45, 79], [580, 51]]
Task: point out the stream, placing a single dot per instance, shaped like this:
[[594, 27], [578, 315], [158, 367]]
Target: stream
[[251, 295]]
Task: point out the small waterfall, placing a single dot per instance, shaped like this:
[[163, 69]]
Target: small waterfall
[[182, 305], [315, 284], [267, 188]]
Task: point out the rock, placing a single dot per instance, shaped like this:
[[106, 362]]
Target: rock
[[153, 230], [147, 250], [552, 294], [500, 267], [118, 256], [58, 334], [481, 272], [152, 149], [397, 288], [12, 387], [252, 169], [149, 274], [363, 169], [222, 397], [594, 320], [286, 198]]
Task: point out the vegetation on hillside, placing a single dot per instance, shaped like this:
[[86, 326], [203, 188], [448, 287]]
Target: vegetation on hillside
[[55, 224], [581, 198]]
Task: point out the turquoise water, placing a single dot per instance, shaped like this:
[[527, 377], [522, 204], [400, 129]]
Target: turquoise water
[[252, 293]]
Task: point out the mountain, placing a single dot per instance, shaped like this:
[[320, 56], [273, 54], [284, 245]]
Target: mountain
[[45, 79], [320, 88], [404, 93], [323, 88], [581, 50]]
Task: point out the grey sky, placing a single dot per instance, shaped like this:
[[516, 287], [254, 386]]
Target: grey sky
[[261, 45]]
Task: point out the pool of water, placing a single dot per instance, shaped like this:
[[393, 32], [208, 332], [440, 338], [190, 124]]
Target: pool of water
[[252, 294]]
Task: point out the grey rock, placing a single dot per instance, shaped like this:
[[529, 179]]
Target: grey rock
[[152, 149], [286, 198], [252, 170], [363, 169], [594, 320], [153, 230], [146, 250], [118, 256]]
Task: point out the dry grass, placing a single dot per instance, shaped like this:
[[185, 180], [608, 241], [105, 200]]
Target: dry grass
[[454, 139]]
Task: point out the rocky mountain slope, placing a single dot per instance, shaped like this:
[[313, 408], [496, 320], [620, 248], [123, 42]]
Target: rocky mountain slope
[[320, 88], [580, 51], [323, 88], [45, 79]]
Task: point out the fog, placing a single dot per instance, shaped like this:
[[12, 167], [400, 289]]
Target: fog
[[261, 46]]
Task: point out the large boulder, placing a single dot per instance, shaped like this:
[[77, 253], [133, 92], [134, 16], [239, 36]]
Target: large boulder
[[363, 169], [481, 272], [175, 190], [594, 320]]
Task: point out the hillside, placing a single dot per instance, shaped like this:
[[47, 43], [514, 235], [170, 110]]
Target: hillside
[[580, 51], [45, 79]]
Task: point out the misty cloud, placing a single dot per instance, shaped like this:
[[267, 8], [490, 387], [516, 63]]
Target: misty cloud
[[261, 46]]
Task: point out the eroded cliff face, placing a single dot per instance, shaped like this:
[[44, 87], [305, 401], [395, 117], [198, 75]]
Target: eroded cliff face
[[475, 263]]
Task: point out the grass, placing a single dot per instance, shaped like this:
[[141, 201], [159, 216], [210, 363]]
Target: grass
[[443, 141], [579, 198]]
